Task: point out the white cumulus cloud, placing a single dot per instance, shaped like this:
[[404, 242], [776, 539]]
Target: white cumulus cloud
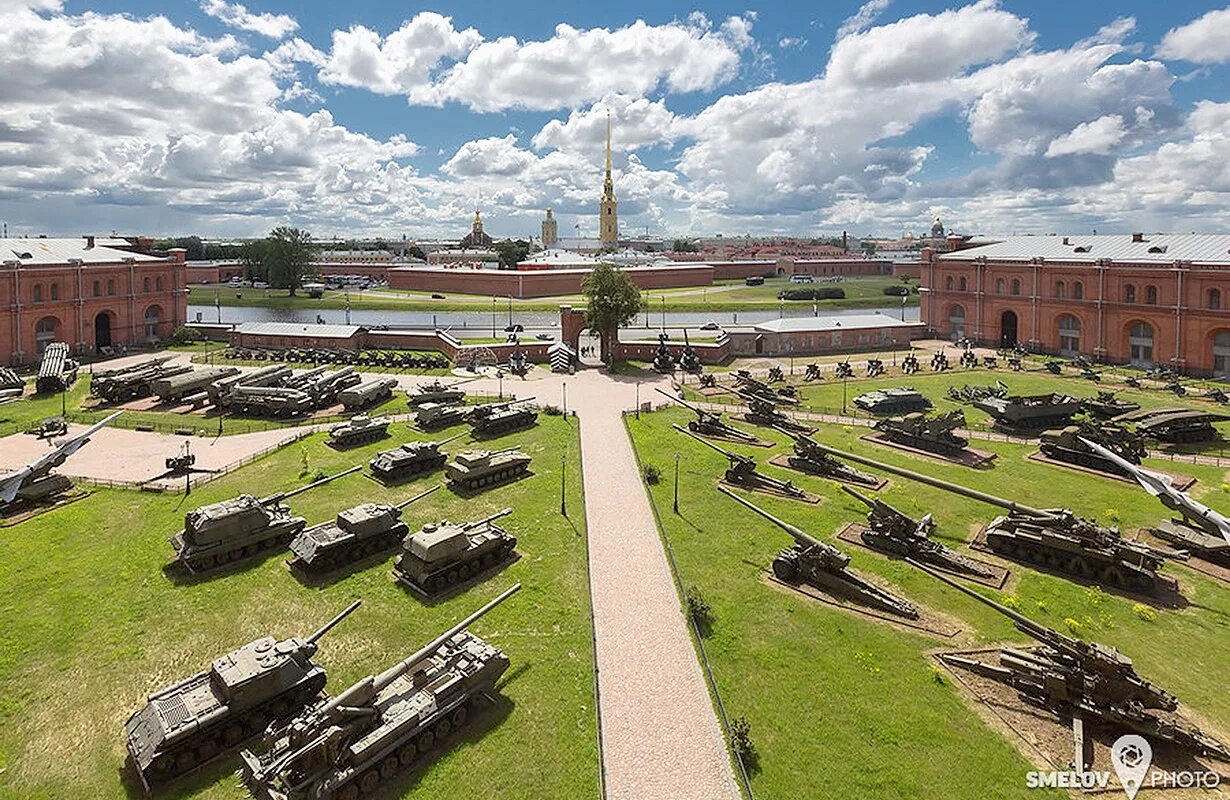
[[236, 15], [1202, 41], [1098, 136]]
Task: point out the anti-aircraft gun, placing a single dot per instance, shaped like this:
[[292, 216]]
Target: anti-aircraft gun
[[710, 423], [185, 725], [809, 458], [764, 412], [875, 367], [1055, 538], [743, 472], [382, 725], [1201, 530], [355, 533], [812, 373], [35, 482], [410, 460], [893, 531], [689, 361], [663, 361], [1107, 404], [495, 419], [1080, 680], [909, 364], [844, 369], [939, 361], [933, 434], [239, 528], [443, 554], [823, 566]]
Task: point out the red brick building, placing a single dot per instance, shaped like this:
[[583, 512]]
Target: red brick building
[[85, 295], [1124, 298]]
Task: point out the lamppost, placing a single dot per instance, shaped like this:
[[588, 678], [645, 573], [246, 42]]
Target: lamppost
[[843, 394], [492, 317], [563, 479], [663, 299], [904, 297], [638, 399], [510, 311], [676, 483], [781, 308], [565, 388], [500, 377]]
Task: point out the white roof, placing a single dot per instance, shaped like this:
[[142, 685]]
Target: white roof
[[299, 329], [558, 256], [48, 252], [1156, 248], [852, 322]]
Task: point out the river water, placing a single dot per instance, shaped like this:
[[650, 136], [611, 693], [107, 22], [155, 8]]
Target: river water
[[479, 323]]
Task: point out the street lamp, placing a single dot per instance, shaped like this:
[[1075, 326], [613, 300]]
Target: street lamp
[[510, 311], [492, 317], [638, 399], [563, 479], [663, 299], [676, 483], [565, 388], [843, 394]]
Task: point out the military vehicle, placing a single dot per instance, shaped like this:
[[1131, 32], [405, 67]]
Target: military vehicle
[[710, 423], [743, 472], [1201, 530], [496, 419], [325, 389], [1067, 444], [707, 380], [35, 482], [410, 460], [190, 723], [239, 528], [128, 383], [518, 364], [809, 458], [220, 391], [933, 434], [181, 462], [1077, 680], [910, 365], [174, 388], [968, 394], [443, 554], [763, 412], [901, 400], [1174, 425], [359, 429], [56, 372], [1032, 412], [939, 362], [892, 531], [751, 386], [1107, 405], [49, 428], [875, 367], [345, 747], [1056, 539], [812, 373], [689, 361], [471, 470], [437, 392], [968, 360], [844, 370], [823, 566], [663, 361], [434, 416], [775, 375], [1217, 396], [355, 533], [270, 401], [367, 393]]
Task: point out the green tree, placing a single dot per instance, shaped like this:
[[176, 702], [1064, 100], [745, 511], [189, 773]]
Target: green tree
[[512, 252], [414, 251], [252, 255], [684, 246], [288, 258], [611, 300]]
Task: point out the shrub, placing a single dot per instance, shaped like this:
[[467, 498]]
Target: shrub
[[897, 291], [1112, 514], [699, 610], [813, 293], [1012, 601], [1144, 612], [741, 741], [652, 474], [183, 335], [552, 411]]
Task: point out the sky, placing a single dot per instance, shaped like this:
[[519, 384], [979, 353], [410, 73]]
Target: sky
[[225, 119]]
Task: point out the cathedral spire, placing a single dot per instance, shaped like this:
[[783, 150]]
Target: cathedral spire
[[608, 220], [608, 144]]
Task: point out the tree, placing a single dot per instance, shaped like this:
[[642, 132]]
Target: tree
[[414, 251], [252, 255], [288, 258], [684, 246], [610, 302], [512, 252]]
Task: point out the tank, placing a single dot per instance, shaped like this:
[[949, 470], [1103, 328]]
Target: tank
[[819, 564], [355, 533], [933, 434], [436, 392], [809, 458], [434, 416], [410, 460], [901, 400], [1030, 412], [1107, 405], [367, 393], [239, 528], [1075, 679], [383, 725], [471, 470], [443, 554], [191, 722], [1067, 444], [496, 419], [359, 429]]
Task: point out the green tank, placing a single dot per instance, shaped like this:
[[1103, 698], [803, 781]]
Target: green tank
[[355, 533], [496, 419], [239, 528], [410, 460], [434, 416], [348, 746], [1065, 444], [901, 400], [191, 722], [933, 434], [482, 469], [359, 429], [443, 554], [436, 392]]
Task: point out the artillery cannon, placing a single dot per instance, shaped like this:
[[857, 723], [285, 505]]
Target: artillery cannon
[[410, 460], [471, 470], [1107, 404], [775, 375], [710, 423], [1054, 538], [939, 362], [663, 361], [1074, 680], [707, 380], [359, 429], [844, 370], [36, 482], [239, 528], [346, 746], [933, 434], [49, 428], [809, 458], [812, 373], [764, 412], [367, 393], [191, 722], [443, 554], [355, 533], [689, 361], [892, 531], [875, 367], [743, 472], [910, 365], [825, 567], [496, 419], [1068, 444], [750, 386]]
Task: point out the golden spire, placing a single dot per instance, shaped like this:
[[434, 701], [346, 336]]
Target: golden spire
[[608, 144]]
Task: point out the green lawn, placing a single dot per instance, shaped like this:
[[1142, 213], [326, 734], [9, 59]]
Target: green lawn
[[91, 624], [842, 705]]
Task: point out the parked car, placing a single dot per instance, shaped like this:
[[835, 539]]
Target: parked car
[[710, 326], [755, 280], [544, 337], [437, 297], [260, 285], [234, 283], [801, 279]]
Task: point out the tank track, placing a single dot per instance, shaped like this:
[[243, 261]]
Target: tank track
[[414, 469], [504, 427], [493, 479], [215, 561], [459, 573], [352, 551], [929, 445], [1118, 575], [226, 735], [1083, 459], [367, 437]]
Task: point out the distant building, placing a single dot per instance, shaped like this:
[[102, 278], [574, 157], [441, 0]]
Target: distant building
[[608, 216], [476, 237], [550, 231], [557, 258], [474, 256], [815, 335]]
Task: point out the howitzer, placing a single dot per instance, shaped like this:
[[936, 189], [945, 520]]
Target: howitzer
[[709, 423], [824, 566], [743, 472], [809, 458], [763, 412]]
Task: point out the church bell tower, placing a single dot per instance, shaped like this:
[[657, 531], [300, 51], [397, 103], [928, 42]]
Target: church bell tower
[[608, 216]]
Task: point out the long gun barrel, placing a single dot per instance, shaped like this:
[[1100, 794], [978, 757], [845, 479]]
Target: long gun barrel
[[708, 443], [867, 501], [279, 497], [492, 518], [506, 403], [1023, 623], [418, 496], [680, 401], [453, 438], [799, 536], [328, 626]]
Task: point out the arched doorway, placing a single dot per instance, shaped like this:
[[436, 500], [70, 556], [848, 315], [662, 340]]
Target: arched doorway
[[153, 315], [45, 333], [589, 348], [1007, 329], [1069, 335], [956, 322], [1221, 354], [102, 330], [1140, 344]]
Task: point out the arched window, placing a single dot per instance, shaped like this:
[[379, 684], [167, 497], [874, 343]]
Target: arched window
[[1078, 290], [152, 315], [948, 283], [1151, 295], [1069, 335], [158, 283], [963, 284], [1061, 290], [1016, 285], [999, 286], [1221, 354], [1214, 299], [145, 284], [1129, 294], [956, 322], [110, 286], [1140, 344], [55, 291], [97, 288], [45, 333], [38, 292]]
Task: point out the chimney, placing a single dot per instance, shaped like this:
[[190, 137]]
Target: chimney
[[845, 241], [1066, 240], [955, 243], [89, 243], [1138, 237]]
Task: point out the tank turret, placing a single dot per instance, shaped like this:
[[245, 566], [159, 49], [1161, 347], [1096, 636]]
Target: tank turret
[[471, 470], [355, 533], [496, 419], [443, 554], [410, 460], [193, 721], [437, 392], [359, 429]]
